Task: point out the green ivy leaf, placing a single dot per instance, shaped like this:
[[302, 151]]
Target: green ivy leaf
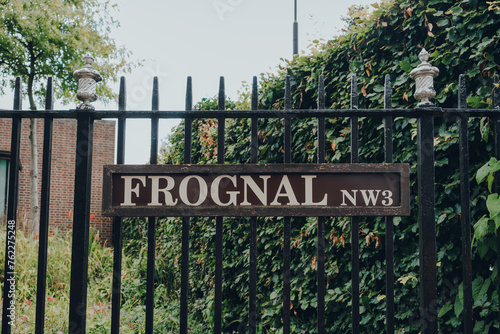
[[489, 56], [484, 288], [446, 307], [400, 80], [484, 127], [480, 287], [490, 167], [441, 162], [493, 205], [459, 306], [477, 102], [491, 178], [479, 327], [497, 222], [405, 65], [481, 228], [442, 22]]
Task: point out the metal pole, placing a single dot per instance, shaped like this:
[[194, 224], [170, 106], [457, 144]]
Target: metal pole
[[295, 32], [424, 76], [81, 223], [87, 78]]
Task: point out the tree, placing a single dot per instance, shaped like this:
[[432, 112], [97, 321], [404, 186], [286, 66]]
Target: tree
[[46, 38]]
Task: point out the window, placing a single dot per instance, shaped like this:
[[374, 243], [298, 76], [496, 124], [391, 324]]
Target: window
[[4, 180]]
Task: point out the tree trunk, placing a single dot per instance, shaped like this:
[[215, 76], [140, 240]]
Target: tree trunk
[[34, 176], [34, 222]]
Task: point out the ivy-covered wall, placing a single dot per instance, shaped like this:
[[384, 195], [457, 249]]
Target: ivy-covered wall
[[463, 38]]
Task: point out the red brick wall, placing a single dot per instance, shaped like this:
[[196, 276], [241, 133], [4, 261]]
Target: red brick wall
[[63, 169]]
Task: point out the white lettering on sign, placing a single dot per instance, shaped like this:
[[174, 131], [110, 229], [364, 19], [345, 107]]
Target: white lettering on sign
[[309, 191], [351, 198], [260, 193], [156, 190], [287, 186], [387, 198], [245, 190], [202, 186], [370, 197], [214, 190], [129, 190]]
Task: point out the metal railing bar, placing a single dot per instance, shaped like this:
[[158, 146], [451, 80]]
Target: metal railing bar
[[186, 221], [288, 125], [10, 244], [188, 122], [81, 223], [496, 131], [465, 207], [117, 221], [355, 220], [427, 225], [295, 113], [321, 285], [44, 212], [253, 316], [150, 305], [254, 138], [287, 225], [219, 221], [389, 227]]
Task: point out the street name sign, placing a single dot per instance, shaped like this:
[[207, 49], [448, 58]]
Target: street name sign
[[257, 190]]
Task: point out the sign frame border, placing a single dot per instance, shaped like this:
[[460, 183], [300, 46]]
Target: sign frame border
[[216, 211]]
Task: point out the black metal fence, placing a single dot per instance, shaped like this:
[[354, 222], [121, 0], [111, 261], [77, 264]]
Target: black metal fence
[[79, 264]]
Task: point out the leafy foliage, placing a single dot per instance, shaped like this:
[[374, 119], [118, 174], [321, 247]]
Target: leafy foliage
[[462, 38], [49, 38]]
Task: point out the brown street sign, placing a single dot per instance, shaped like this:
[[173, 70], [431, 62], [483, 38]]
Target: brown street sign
[[257, 190]]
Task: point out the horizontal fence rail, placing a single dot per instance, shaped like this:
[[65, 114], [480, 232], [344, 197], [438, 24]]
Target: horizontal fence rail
[[295, 113], [426, 204]]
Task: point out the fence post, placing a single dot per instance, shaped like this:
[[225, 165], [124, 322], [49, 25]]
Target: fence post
[[87, 79], [424, 76]]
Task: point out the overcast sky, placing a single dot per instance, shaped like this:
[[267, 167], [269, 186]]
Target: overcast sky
[[207, 39]]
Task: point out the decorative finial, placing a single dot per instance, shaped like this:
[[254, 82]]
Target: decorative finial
[[88, 59], [424, 76], [423, 56], [87, 78]]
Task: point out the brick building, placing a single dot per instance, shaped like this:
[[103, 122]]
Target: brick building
[[62, 174]]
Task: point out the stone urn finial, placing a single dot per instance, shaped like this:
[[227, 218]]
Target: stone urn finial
[[424, 76], [87, 78]]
